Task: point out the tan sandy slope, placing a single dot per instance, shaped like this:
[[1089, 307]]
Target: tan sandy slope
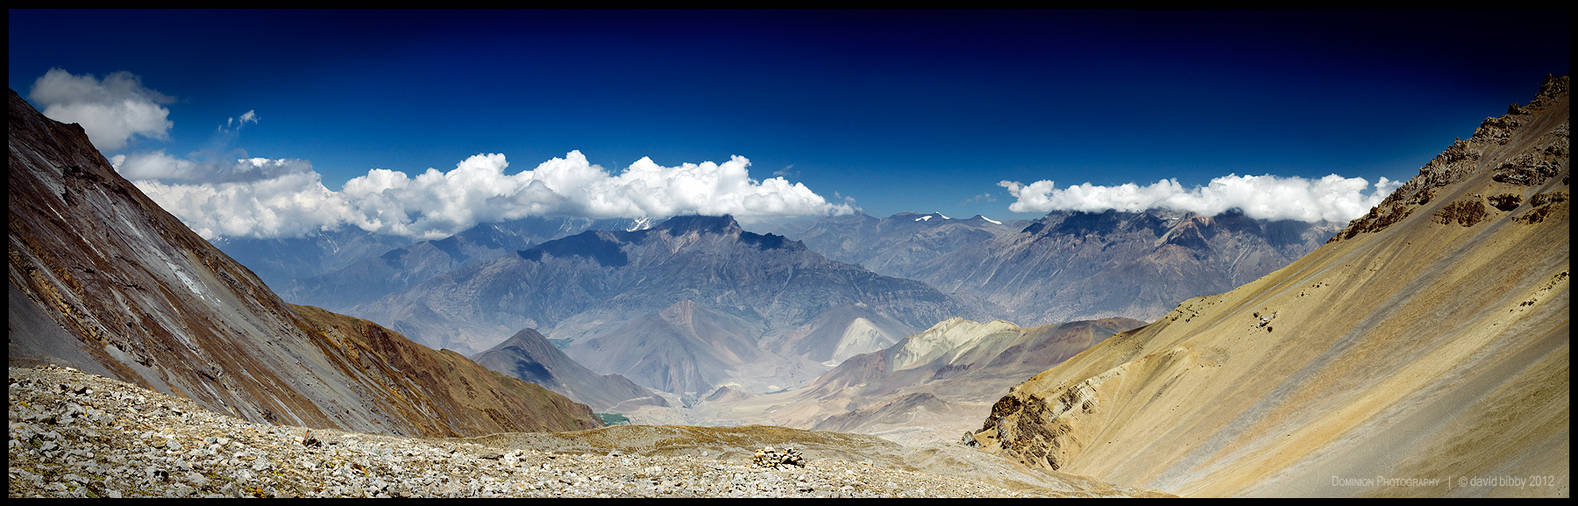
[[1422, 352]]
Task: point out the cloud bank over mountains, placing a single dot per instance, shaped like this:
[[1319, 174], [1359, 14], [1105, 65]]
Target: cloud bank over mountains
[[221, 191], [285, 197], [1332, 198]]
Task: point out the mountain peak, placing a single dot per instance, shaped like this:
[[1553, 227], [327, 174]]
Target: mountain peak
[[1541, 142], [723, 225], [526, 335], [921, 217], [1553, 88]]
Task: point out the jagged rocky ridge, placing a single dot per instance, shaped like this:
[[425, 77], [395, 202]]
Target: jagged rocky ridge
[[104, 280], [1429, 343]]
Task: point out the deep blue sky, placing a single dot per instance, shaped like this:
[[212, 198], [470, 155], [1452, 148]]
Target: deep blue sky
[[901, 110]]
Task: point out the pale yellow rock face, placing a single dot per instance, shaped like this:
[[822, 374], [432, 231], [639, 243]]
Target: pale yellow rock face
[[1421, 357]]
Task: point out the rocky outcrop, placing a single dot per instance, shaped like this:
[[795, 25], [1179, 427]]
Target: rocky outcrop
[[104, 280], [1463, 212], [1543, 158], [773, 459], [1542, 205]]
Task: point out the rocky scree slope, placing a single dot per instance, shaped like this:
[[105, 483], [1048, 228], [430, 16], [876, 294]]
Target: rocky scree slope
[[1428, 343], [104, 280], [80, 435]]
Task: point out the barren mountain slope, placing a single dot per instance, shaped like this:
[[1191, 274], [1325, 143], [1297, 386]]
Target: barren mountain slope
[[103, 279], [1427, 342]]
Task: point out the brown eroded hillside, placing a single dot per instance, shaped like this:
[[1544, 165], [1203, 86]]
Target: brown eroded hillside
[[103, 279], [1422, 352]]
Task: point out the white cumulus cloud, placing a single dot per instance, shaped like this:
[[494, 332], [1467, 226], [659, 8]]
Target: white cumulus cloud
[[110, 111], [1332, 198], [289, 205], [291, 200]]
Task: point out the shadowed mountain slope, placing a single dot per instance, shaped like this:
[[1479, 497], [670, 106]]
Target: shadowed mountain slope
[[530, 356]]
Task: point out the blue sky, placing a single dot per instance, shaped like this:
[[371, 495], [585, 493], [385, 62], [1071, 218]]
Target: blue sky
[[899, 110]]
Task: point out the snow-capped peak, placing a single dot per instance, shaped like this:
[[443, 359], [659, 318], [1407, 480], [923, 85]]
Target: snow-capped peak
[[641, 223], [924, 218], [994, 222]]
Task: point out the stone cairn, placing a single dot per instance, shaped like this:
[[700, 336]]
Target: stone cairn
[[770, 458]]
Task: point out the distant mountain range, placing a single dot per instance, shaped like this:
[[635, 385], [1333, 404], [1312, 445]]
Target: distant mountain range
[[686, 305], [104, 280], [470, 290], [898, 245], [341, 268], [1068, 265]]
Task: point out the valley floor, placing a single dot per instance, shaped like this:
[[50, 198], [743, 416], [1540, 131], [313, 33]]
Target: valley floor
[[74, 434]]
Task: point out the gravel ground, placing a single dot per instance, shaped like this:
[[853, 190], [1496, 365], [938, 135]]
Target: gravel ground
[[80, 435]]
